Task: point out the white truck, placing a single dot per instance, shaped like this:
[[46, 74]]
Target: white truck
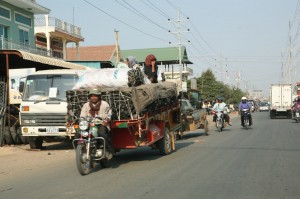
[[281, 100], [43, 109]]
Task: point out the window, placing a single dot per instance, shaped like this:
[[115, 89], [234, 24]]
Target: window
[[4, 13], [41, 39], [3, 32], [23, 36], [23, 19]]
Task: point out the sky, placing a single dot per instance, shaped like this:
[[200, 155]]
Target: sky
[[245, 43]]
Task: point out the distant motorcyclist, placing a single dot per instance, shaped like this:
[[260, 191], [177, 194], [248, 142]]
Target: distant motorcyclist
[[245, 105], [98, 107], [219, 106], [225, 111], [296, 106]]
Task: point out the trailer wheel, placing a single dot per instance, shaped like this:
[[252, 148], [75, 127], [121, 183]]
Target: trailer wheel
[[165, 144], [206, 130], [35, 142], [105, 163]]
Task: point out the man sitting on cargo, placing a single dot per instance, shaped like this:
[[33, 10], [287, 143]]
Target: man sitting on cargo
[[98, 107]]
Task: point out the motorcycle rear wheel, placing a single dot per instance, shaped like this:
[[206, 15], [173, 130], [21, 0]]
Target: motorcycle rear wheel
[[219, 125], [246, 123], [84, 166]]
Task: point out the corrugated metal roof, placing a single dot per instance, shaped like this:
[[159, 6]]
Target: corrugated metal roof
[[91, 53], [168, 55], [50, 61]]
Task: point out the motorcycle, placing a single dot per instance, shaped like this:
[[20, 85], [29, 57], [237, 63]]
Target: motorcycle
[[220, 120], [245, 114], [90, 149], [296, 111]]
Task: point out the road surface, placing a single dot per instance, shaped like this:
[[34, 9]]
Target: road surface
[[262, 162]]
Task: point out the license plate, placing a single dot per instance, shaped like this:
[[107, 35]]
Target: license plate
[[281, 109], [297, 114], [51, 130]]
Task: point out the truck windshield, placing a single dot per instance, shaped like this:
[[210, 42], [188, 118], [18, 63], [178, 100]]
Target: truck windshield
[[47, 87]]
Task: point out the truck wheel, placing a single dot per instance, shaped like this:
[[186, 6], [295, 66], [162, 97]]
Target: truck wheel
[[7, 136], [15, 136], [35, 142], [272, 114], [165, 144]]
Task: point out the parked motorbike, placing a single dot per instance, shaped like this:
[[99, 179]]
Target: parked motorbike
[[90, 149], [220, 120], [246, 114]]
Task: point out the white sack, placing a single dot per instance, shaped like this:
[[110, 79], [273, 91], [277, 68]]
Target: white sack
[[107, 77]]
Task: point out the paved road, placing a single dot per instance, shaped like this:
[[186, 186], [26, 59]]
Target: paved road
[[262, 162]]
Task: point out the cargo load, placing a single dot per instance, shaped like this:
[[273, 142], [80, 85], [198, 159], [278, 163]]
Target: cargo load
[[127, 102]]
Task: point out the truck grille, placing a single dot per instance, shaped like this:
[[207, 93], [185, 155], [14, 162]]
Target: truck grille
[[40, 119]]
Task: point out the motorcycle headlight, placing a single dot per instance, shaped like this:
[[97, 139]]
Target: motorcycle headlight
[[84, 133], [83, 125], [94, 131]]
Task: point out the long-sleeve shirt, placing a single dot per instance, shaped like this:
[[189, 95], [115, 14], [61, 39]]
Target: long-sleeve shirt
[[244, 106], [104, 111], [219, 107]]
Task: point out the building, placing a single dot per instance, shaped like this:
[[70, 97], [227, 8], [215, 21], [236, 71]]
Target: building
[[26, 25], [53, 35], [17, 23], [93, 56]]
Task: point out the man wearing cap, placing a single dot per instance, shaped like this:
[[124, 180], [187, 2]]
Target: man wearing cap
[[98, 107]]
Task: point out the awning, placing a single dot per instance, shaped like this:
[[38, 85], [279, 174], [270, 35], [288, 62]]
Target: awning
[[39, 61], [50, 61]]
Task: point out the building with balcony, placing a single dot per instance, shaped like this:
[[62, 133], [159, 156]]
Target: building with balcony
[[17, 23], [53, 35]]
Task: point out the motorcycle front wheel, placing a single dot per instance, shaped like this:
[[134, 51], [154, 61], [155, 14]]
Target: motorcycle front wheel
[[82, 163]]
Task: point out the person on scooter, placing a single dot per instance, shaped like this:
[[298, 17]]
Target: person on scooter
[[223, 106], [97, 107], [245, 105], [296, 106], [218, 107]]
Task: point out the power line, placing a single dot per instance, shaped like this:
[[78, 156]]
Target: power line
[[135, 11], [94, 6], [194, 28], [155, 8]]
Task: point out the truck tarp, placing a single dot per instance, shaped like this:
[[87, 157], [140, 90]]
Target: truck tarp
[[128, 102], [144, 95]]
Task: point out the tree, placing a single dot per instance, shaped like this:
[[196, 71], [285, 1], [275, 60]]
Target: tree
[[210, 89]]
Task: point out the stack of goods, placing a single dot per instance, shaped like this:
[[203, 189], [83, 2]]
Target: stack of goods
[[111, 77], [128, 102]]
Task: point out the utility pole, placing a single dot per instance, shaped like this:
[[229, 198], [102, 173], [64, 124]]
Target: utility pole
[[178, 33], [117, 45], [238, 79]]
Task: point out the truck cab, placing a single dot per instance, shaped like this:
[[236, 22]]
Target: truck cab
[[43, 109]]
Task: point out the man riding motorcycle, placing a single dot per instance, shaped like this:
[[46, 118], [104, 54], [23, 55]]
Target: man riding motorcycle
[[226, 116], [98, 107], [220, 106], [296, 106], [245, 105]]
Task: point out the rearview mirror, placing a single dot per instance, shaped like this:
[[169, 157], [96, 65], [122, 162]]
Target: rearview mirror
[[21, 87]]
